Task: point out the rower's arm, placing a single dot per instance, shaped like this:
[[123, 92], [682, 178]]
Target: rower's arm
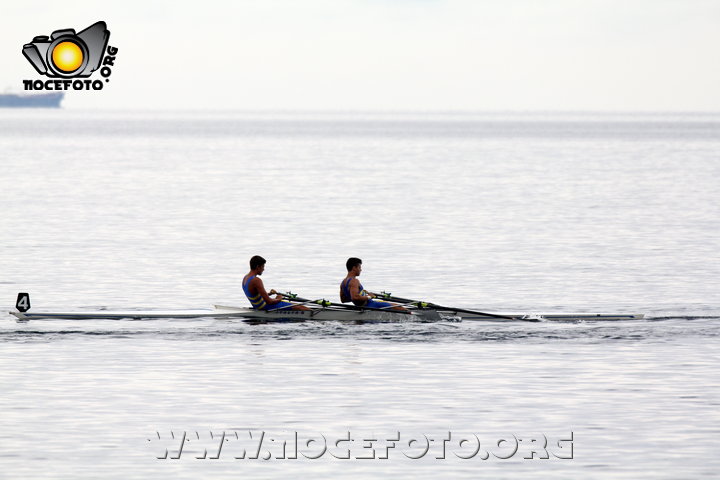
[[258, 284], [355, 292]]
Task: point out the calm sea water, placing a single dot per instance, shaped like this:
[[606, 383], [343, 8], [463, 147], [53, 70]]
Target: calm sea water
[[522, 212]]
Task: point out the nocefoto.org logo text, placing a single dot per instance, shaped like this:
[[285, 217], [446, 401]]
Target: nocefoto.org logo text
[[68, 58]]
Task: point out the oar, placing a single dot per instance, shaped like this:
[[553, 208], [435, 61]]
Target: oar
[[421, 304], [325, 303], [304, 302]]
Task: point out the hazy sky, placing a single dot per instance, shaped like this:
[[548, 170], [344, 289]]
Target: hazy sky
[[389, 54]]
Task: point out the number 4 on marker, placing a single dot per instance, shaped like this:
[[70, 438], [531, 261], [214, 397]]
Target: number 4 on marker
[[23, 302]]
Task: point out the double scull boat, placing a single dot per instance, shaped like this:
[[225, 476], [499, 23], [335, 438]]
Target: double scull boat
[[319, 310]]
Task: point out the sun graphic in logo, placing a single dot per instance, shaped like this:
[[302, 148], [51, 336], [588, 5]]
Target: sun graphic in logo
[[67, 56]]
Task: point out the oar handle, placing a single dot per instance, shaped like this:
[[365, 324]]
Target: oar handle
[[390, 297], [303, 301]]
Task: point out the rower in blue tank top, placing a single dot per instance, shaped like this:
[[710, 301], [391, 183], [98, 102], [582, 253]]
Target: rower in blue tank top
[[255, 290], [351, 290]]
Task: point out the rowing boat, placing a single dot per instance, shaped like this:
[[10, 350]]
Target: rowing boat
[[319, 310], [315, 314]]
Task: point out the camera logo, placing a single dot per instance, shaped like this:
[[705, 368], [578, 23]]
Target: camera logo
[[66, 55]]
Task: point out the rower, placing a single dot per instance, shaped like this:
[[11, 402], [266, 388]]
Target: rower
[[352, 290], [255, 290]]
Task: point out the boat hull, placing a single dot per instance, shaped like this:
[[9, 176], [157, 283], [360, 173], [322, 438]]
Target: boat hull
[[316, 314]]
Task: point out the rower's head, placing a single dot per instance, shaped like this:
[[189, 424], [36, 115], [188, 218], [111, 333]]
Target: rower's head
[[354, 265], [257, 264]]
